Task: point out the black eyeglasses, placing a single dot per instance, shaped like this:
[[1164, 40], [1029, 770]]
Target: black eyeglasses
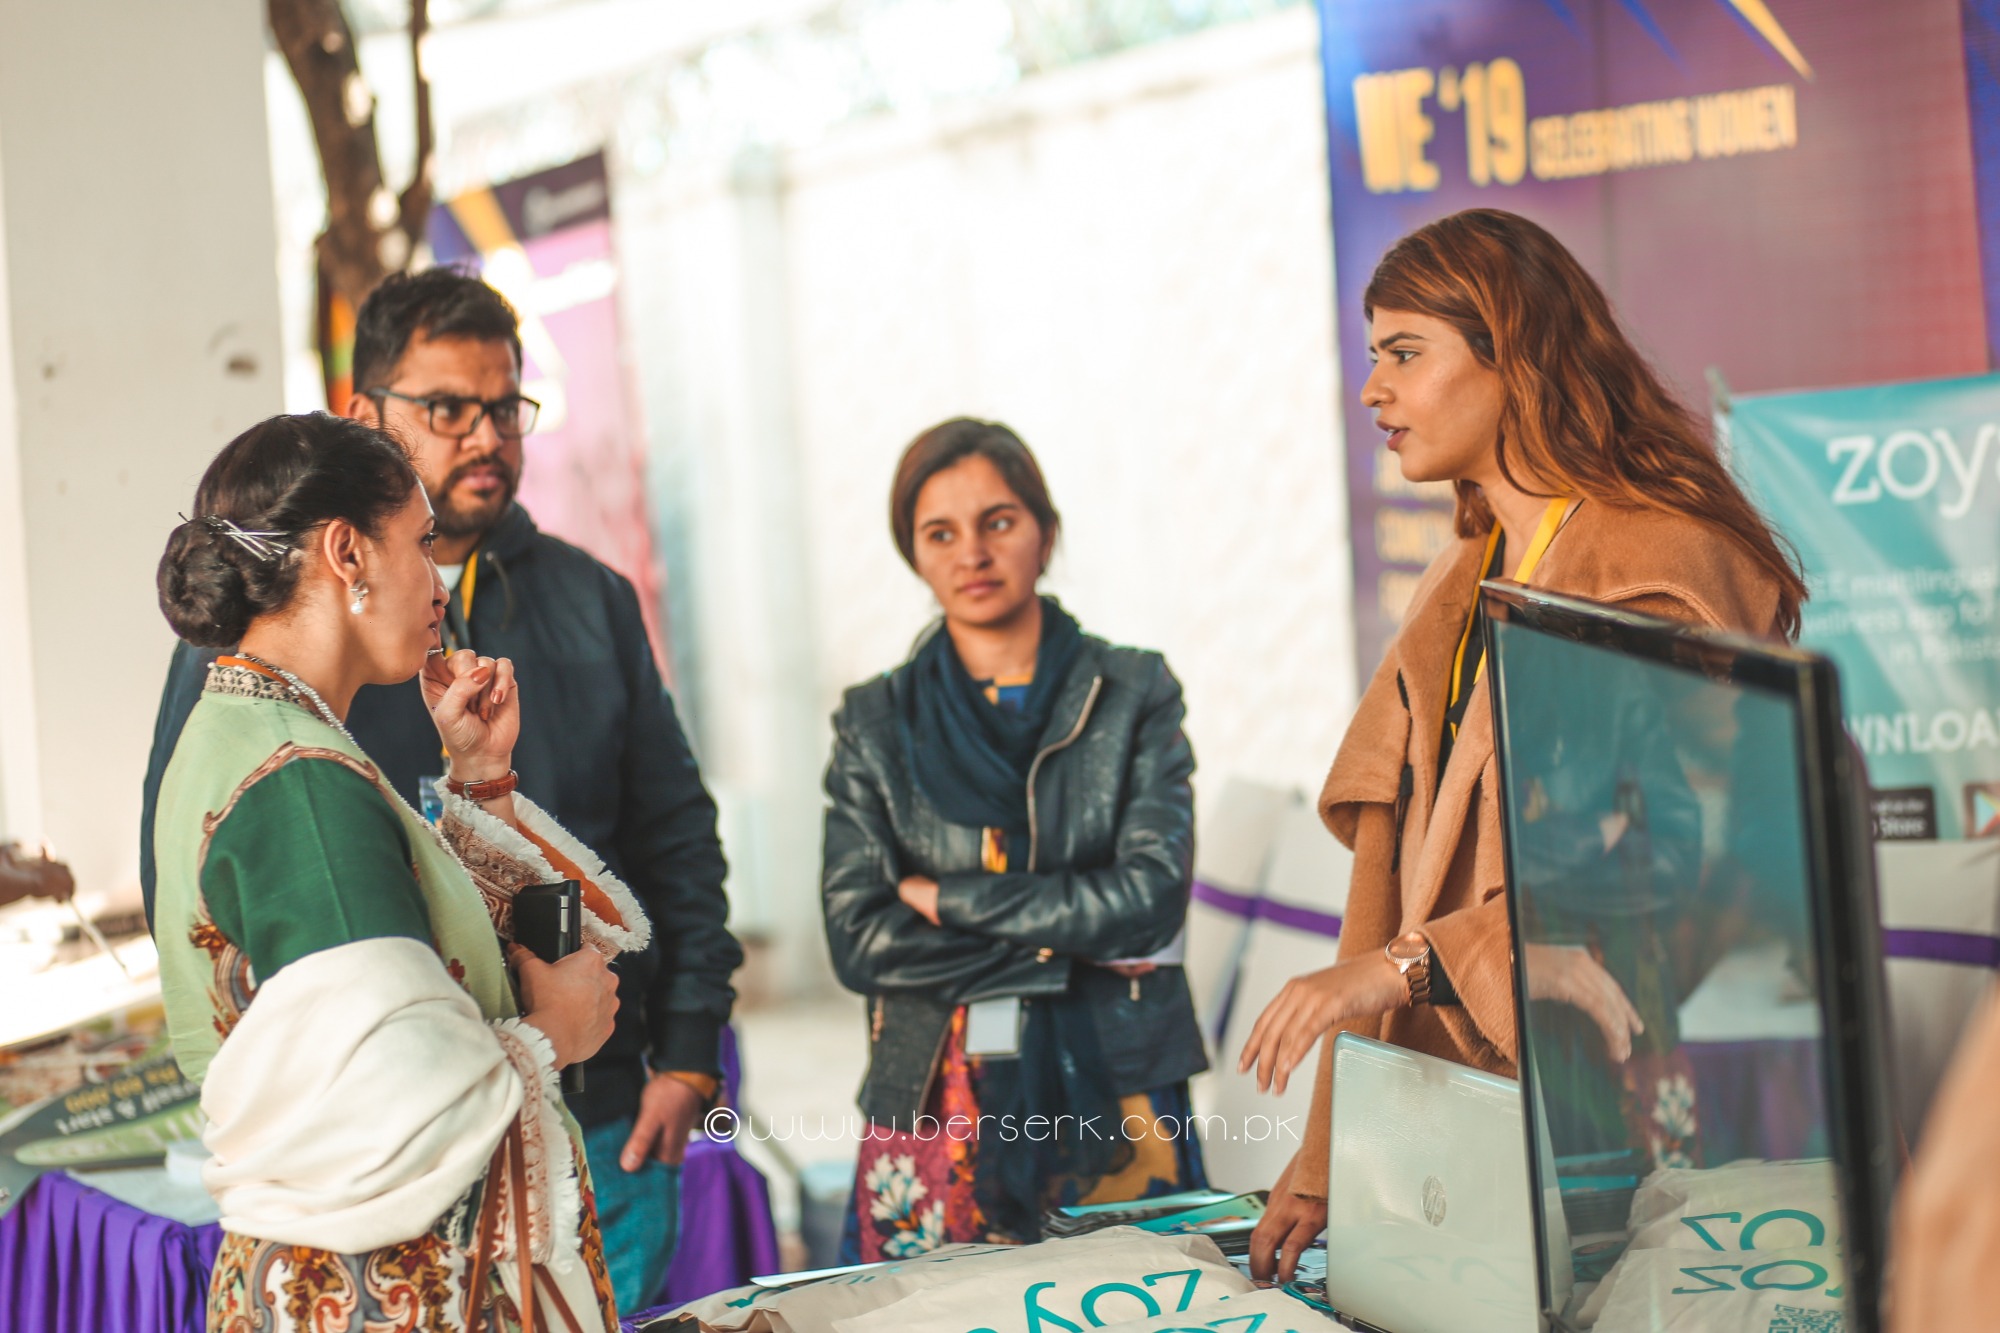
[[455, 416]]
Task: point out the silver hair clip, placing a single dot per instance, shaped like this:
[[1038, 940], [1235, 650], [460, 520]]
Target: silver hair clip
[[263, 545]]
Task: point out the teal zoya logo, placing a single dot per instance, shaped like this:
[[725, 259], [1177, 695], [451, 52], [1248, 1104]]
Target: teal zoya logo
[[1434, 1201]]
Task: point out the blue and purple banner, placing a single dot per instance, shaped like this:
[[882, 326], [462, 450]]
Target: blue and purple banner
[[545, 241], [1782, 191]]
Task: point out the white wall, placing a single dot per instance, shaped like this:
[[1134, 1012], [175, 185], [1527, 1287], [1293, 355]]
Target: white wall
[[1130, 263], [138, 334]]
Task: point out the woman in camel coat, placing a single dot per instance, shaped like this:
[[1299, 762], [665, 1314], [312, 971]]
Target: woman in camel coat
[[1498, 367]]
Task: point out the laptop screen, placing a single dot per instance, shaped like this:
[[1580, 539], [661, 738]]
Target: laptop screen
[[1693, 915]]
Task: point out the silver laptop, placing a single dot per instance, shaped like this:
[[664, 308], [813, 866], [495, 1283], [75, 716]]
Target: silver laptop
[[1428, 1228]]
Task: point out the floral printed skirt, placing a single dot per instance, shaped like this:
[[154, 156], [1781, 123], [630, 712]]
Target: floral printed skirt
[[915, 1191], [262, 1286]]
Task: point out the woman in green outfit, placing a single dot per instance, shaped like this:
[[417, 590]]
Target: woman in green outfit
[[390, 1144]]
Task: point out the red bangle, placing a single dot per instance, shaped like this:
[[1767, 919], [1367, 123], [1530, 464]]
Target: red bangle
[[490, 790]]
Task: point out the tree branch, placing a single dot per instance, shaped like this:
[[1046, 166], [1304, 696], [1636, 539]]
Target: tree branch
[[415, 202], [370, 233]]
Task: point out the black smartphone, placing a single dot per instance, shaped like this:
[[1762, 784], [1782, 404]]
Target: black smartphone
[[548, 922]]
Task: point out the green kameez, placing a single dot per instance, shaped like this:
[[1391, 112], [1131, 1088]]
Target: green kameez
[[277, 840]]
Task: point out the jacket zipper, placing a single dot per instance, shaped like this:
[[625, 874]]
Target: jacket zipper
[[1034, 769], [1034, 842], [930, 1079]]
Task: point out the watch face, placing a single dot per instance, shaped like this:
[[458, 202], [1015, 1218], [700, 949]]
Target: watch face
[[1409, 948]]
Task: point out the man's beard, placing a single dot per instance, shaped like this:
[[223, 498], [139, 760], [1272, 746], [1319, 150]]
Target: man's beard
[[455, 519]]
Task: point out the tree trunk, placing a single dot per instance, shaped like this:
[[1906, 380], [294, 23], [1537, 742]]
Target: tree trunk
[[370, 232]]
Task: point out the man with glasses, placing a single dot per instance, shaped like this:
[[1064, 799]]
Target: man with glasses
[[437, 362]]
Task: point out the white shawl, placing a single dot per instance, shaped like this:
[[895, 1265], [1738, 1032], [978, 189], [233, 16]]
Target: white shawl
[[362, 1094]]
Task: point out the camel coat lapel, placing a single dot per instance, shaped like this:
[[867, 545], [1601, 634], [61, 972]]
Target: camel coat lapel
[[1444, 828], [1424, 651]]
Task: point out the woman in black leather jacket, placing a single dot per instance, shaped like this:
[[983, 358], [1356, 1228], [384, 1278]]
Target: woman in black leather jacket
[[1009, 843]]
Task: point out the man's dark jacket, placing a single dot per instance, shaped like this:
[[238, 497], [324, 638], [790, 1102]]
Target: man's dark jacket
[[1106, 878], [601, 751]]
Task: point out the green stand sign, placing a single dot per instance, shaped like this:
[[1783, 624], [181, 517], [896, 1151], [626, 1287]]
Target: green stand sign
[[127, 1120]]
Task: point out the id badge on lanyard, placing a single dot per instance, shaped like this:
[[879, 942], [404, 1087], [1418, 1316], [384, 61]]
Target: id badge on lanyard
[[993, 1027]]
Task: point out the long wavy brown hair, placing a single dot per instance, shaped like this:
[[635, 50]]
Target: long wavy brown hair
[[1582, 409]]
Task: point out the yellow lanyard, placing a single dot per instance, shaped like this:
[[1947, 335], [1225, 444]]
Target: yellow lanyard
[[468, 582], [1553, 518]]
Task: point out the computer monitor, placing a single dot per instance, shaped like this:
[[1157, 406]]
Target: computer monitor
[[1686, 844]]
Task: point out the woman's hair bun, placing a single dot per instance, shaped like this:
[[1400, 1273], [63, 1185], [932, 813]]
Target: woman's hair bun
[[240, 555], [211, 588]]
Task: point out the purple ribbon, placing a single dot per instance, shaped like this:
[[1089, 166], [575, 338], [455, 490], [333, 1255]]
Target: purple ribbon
[[1942, 946], [1253, 908], [1966, 948]]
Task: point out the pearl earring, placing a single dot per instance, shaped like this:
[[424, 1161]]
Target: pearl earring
[[360, 596]]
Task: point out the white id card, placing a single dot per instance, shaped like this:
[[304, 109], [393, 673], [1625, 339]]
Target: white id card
[[993, 1027]]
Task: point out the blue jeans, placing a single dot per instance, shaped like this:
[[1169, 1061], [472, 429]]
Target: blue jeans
[[640, 1212]]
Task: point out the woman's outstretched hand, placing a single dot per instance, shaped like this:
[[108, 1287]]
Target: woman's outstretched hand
[[1289, 1226], [1569, 974], [573, 1001], [1309, 1005], [477, 711]]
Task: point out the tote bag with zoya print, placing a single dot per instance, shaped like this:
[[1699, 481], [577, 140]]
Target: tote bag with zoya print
[[1068, 1286], [1752, 1246], [1256, 1312], [1007, 1288]]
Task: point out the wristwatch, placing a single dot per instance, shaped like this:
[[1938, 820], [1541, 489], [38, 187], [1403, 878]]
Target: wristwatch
[[1410, 954]]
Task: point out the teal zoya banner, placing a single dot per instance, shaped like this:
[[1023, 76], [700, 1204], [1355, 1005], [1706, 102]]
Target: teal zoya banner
[[1892, 496]]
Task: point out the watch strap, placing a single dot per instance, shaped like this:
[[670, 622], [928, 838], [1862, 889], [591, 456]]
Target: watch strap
[[1417, 979], [707, 1085], [489, 790]]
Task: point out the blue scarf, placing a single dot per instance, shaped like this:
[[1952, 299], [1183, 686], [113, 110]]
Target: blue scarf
[[970, 758]]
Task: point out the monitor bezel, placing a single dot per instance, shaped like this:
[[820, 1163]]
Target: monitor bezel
[[1845, 917]]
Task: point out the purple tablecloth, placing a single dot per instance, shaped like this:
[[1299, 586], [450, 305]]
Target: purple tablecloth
[[73, 1258]]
